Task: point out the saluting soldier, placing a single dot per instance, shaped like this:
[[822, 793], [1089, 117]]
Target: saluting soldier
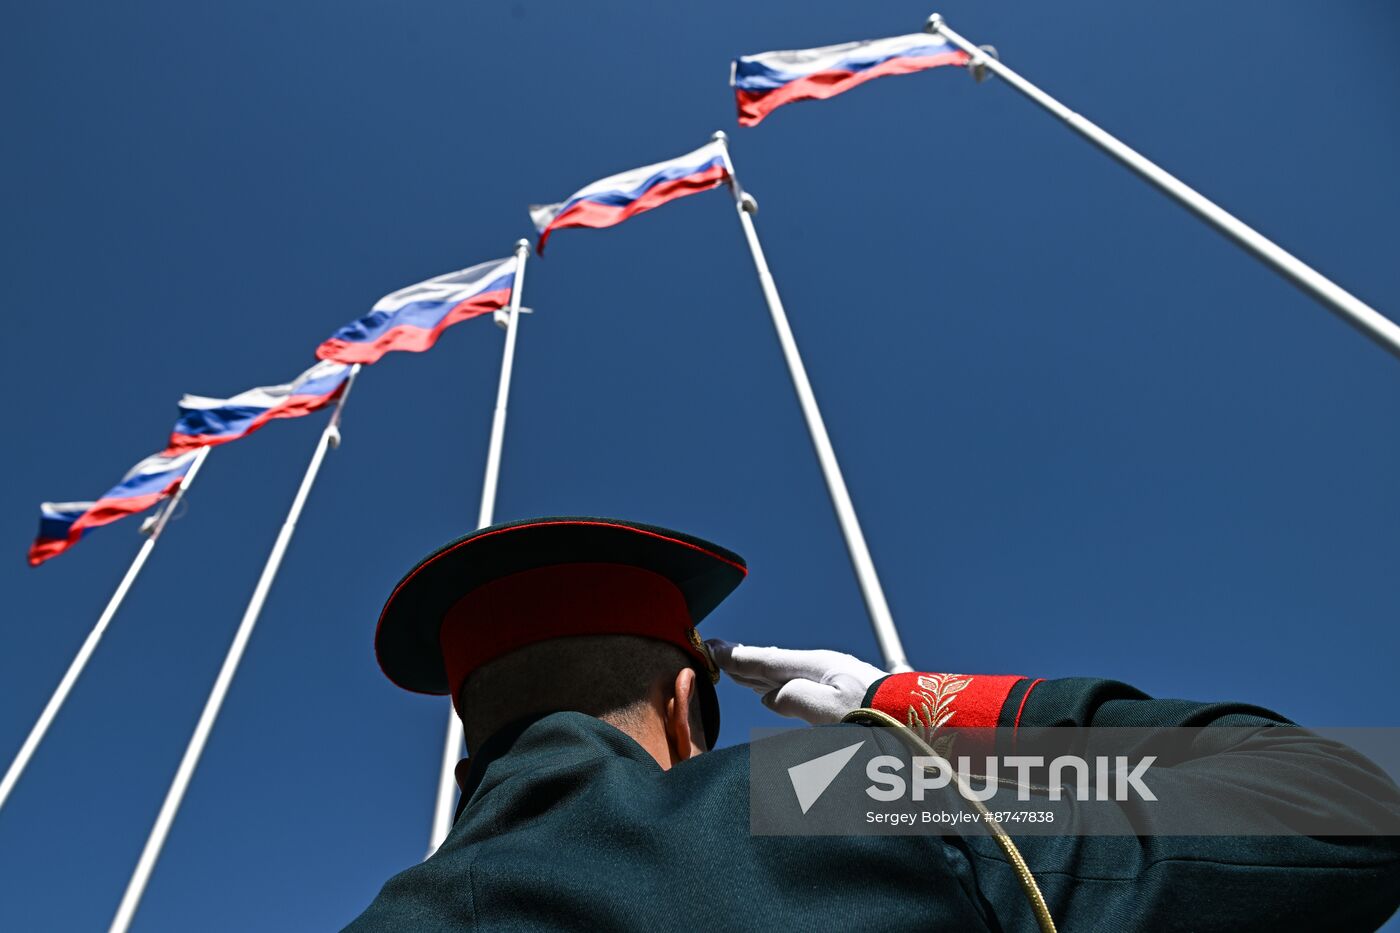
[[593, 798]]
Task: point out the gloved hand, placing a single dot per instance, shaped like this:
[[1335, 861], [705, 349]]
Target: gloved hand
[[816, 686]]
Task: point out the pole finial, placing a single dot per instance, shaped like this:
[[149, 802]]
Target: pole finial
[[522, 243], [934, 24], [720, 136]]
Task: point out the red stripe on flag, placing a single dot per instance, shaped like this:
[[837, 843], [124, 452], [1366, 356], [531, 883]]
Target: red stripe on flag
[[410, 338], [755, 105], [587, 213], [294, 407]]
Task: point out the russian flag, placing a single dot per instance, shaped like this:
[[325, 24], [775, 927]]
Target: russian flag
[[612, 200], [764, 82], [61, 524], [207, 421], [413, 317]]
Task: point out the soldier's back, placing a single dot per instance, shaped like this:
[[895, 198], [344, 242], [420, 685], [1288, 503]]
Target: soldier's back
[[570, 824]]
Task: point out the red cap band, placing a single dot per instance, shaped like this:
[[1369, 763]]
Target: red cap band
[[556, 602]]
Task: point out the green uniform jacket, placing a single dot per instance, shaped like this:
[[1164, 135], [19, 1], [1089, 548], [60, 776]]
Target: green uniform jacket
[[569, 824]]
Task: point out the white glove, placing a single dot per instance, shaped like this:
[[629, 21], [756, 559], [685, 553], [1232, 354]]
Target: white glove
[[816, 686]]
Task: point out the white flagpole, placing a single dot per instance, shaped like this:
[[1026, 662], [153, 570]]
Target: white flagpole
[[1328, 293], [330, 437], [880, 619], [452, 746], [36, 734]]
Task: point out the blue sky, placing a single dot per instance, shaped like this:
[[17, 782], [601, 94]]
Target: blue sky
[[1084, 433]]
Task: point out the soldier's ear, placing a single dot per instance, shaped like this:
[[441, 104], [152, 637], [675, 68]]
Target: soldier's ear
[[681, 738]]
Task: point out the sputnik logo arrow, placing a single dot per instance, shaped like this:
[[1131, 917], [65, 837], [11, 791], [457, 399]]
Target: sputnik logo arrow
[[811, 778]]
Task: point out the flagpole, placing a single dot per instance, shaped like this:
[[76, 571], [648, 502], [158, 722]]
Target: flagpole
[[330, 437], [452, 745], [1328, 293], [70, 677], [878, 609]]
